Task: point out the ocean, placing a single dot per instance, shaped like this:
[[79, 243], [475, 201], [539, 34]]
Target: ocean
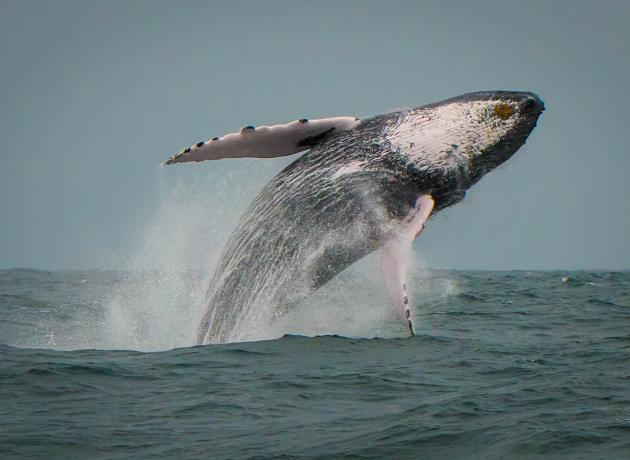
[[513, 364]]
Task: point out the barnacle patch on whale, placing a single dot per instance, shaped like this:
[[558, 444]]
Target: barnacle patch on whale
[[503, 111]]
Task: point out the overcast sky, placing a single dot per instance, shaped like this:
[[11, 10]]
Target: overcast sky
[[94, 95]]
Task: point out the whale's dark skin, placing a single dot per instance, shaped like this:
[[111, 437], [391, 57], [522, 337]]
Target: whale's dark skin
[[349, 195]]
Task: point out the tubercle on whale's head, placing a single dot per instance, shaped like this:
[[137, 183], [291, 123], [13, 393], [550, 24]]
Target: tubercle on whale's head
[[473, 133]]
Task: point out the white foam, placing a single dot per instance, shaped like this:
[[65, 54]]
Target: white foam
[[159, 303]]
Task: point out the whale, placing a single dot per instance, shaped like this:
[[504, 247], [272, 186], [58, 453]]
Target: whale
[[362, 185]]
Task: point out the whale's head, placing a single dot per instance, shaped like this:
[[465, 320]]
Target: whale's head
[[471, 134], [498, 124]]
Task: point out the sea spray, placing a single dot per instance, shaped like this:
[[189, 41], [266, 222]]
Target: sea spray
[[159, 301]]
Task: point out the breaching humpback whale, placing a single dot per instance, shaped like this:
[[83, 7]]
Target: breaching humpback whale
[[364, 185]]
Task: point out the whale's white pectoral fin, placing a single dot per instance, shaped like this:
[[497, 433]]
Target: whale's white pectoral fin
[[396, 254], [266, 141]]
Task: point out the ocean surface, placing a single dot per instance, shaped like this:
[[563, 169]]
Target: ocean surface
[[504, 365]]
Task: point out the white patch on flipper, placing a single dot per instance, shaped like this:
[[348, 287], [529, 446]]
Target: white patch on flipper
[[264, 141]]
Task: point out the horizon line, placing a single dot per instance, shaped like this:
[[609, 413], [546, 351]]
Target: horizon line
[[103, 269]]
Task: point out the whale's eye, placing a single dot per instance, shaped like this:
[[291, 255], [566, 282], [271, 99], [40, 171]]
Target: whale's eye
[[503, 111]]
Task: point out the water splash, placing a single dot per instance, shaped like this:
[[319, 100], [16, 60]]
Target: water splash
[[156, 305], [159, 301]]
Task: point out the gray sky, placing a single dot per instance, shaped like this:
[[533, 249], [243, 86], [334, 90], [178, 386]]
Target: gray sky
[[94, 95]]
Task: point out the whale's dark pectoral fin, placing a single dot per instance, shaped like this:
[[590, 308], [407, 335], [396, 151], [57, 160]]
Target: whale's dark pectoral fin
[[266, 141], [396, 254]]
